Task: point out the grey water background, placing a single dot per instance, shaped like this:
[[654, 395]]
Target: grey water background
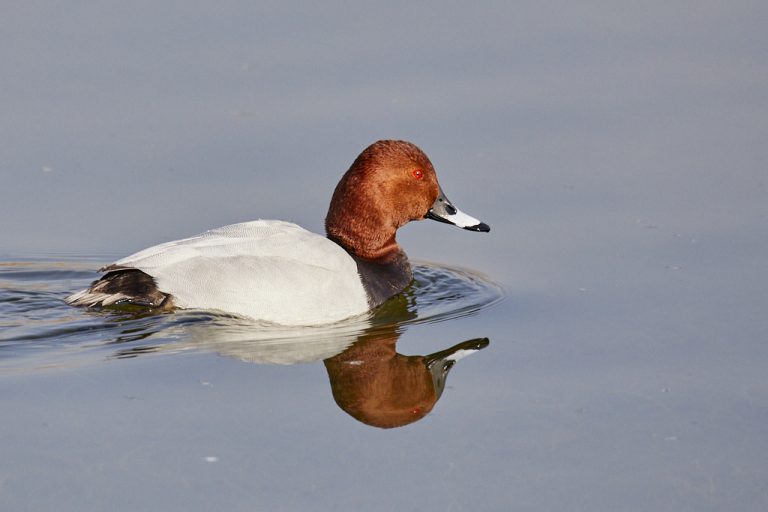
[[616, 149]]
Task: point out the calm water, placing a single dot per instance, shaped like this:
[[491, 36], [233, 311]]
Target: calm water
[[617, 393], [615, 314]]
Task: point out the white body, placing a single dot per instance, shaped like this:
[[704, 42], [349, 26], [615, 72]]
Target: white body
[[266, 269]]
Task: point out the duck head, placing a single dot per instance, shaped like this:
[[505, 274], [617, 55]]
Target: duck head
[[391, 183]]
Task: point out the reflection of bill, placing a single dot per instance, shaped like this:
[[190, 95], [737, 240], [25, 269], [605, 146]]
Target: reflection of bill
[[379, 387]]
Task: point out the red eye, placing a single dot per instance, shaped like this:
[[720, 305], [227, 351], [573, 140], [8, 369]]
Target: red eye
[[418, 174]]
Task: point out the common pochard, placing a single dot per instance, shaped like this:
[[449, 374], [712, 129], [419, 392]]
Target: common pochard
[[278, 272]]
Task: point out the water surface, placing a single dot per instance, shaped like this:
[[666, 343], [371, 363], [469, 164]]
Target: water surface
[[40, 330], [616, 150]]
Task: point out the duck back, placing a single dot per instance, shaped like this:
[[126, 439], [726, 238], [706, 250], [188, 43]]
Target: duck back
[[273, 271]]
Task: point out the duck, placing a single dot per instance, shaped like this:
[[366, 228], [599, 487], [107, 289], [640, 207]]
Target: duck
[[277, 272]]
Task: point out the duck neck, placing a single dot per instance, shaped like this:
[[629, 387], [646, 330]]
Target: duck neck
[[383, 268], [381, 247]]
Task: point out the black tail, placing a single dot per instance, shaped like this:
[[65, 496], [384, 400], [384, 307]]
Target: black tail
[[120, 288]]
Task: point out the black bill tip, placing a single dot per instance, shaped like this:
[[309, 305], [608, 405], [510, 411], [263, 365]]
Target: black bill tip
[[482, 227]]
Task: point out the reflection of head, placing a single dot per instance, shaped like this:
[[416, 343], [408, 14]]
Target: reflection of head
[[379, 387]]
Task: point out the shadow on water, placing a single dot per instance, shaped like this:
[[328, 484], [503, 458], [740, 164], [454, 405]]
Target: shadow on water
[[369, 379]]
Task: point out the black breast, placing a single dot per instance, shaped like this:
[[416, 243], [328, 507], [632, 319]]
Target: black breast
[[383, 280]]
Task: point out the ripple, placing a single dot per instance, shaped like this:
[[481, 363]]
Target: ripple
[[36, 324], [439, 293]]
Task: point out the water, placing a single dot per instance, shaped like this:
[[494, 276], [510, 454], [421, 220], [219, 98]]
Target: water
[[615, 314], [39, 330], [48, 347], [602, 388]]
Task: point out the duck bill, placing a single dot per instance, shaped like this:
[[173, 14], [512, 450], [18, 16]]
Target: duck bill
[[443, 211], [440, 363]]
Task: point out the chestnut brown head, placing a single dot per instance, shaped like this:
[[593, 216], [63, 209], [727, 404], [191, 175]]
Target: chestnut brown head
[[390, 183]]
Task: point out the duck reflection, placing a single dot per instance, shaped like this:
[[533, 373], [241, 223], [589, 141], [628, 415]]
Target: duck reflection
[[380, 387], [369, 379]]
